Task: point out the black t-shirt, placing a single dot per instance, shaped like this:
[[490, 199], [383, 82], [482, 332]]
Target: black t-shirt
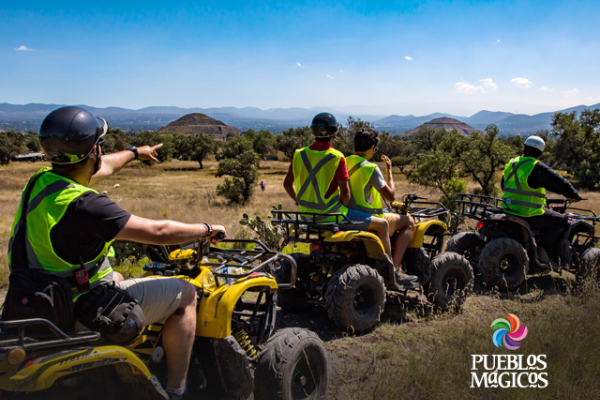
[[90, 221]]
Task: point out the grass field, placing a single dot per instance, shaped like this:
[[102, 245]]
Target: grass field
[[414, 353]]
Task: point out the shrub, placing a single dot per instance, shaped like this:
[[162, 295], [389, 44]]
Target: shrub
[[244, 171]]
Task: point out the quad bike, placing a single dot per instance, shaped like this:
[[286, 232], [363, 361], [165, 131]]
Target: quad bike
[[347, 270], [504, 250], [234, 332]]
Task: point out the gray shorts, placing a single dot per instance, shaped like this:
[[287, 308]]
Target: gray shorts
[[158, 297]]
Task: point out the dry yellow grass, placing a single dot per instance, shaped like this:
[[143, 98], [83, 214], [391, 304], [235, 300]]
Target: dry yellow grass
[[175, 190], [413, 353]]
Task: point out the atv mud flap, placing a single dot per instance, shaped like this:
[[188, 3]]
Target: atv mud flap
[[226, 367]]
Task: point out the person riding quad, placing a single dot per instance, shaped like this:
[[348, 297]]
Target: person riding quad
[[368, 185], [524, 182], [69, 224], [317, 181]]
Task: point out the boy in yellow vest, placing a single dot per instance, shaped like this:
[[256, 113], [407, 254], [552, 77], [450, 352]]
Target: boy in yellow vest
[[367, 185], [318, 181]]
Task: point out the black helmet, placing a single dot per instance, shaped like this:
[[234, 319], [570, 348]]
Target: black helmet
[[324, 125], [69, 134]]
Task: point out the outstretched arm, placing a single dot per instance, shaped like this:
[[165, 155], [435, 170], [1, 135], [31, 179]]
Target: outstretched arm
[[112, 163], [166, 232]]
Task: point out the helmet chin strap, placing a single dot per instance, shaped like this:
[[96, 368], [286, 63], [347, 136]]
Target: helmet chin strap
[[97, 158]]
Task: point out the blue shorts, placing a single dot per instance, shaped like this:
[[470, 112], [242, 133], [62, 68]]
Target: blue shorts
[[360, 220]]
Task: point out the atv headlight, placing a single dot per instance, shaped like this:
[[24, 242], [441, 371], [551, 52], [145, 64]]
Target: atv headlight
[[208, 280]]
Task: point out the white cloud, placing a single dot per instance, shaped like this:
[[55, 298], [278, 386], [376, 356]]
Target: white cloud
[[498, 41], [545, 89], [522, 83], [408, 58], [329, 76], [22, 48], [487, 85], [571, 93], [300, 65]]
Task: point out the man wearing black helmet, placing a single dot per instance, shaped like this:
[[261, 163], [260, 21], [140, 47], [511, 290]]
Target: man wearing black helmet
[[68, 224], [318, 182]]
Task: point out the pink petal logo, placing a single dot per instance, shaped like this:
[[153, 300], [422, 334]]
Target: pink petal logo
[[509, 332]]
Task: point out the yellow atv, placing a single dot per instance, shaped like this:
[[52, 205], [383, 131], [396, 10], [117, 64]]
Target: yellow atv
[[234, 335], [347, 271]]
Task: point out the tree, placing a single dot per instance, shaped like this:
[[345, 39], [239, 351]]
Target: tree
[[237, 145], [292, 139], [263, 143], [32, 142], [195, 147], [437, 169], [11, 145], [482, 156], [244, 170], [115, 141], [578, 145]]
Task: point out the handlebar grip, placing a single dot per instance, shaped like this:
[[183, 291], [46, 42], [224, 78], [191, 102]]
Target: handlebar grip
[[220, 235]]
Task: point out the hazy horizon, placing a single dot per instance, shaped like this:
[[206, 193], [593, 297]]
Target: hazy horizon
[[376, 57]]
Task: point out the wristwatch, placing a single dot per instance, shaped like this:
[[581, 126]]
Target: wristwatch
[[134, 150]]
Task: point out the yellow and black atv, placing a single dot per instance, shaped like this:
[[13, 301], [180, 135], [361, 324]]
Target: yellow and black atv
[[234, 335], [347, 270]]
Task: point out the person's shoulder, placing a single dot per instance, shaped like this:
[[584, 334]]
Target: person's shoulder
[[336, 153]]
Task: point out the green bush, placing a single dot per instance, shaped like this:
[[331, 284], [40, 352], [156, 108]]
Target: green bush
[[244, 171]]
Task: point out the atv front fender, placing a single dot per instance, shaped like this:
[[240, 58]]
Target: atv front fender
[[372, 243], [418, 236]]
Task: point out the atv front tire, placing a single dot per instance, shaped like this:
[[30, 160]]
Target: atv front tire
[[451, 281], [293, 300], [355, 298], [293, 365], [504, 263], [468, 245]]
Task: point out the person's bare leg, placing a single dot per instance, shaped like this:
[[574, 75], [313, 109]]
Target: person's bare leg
[[381, 228], [405, 226], [178, 337]]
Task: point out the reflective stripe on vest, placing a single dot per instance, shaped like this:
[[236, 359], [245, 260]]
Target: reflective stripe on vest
[[50, 198], [365, 197], [313, 173], [522, 199]]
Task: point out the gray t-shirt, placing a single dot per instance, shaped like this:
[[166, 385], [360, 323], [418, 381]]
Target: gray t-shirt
[[377, 181]]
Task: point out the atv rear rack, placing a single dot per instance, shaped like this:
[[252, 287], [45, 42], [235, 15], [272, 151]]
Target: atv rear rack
[[305, 227], [229, 258], [479, 206], [56, 338]]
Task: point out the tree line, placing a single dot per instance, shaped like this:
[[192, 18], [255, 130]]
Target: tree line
[[434, 158]]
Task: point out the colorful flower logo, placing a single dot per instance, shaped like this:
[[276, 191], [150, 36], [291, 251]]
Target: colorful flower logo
[[509, 332]]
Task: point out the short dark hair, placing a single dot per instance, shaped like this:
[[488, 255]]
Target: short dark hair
[[365, 139], [529, 151]]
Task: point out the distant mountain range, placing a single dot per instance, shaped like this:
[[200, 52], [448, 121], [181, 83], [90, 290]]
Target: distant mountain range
[[28, 117]]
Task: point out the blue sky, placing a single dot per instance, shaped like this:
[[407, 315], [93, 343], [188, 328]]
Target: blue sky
[[378, 57]]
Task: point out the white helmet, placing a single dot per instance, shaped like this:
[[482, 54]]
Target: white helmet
[[536, 142]]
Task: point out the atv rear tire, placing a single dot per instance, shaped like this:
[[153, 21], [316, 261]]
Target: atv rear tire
[[468, 245], [451, 281], [590, 264], [293, 365], [504, 263], [293, 300], [355, 298]]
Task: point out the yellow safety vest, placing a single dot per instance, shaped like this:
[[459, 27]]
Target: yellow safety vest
[[523, 200], [365, 197], [313, 173], [50, 197]]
